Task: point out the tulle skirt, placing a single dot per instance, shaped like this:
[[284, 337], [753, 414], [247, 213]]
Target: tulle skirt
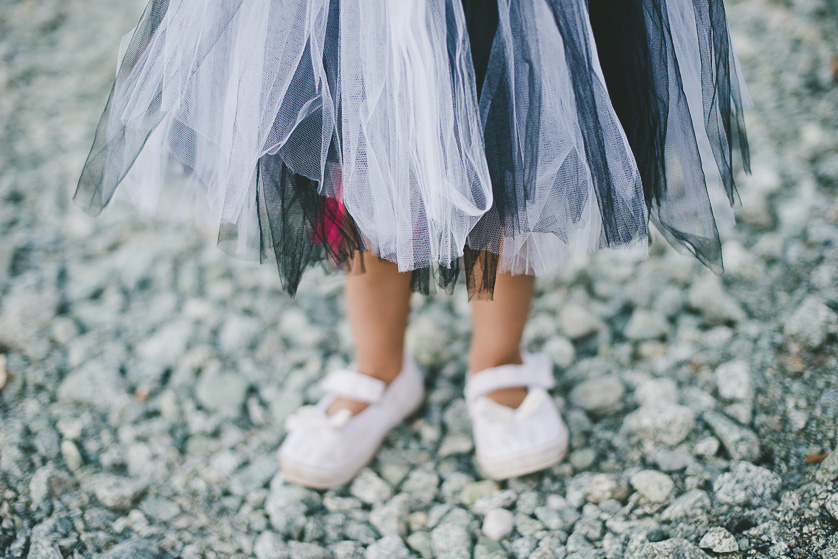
[[453, 137]]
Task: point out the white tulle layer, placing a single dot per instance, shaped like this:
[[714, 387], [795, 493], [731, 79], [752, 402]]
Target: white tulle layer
[[398, 109]]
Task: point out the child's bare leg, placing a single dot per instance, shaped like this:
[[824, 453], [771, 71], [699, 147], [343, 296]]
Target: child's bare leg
[[377, 306], [497, 327]]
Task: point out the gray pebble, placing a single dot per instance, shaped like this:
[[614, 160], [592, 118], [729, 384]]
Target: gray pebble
[[370, 488], [420, 542], [655, 487], [667, 423], [740, 442], [747, 484], [118, 492], [599, 394], [577, 322], [388, 547], [390, 518], [734, 380], [719, 540], [694, 504], [135, 549], [645, 325], [811, 323], [221, 392]]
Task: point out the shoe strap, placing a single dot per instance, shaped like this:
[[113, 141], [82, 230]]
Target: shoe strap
[[351, 384], [536, 372]]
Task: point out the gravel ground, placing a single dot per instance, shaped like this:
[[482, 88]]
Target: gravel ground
[[145, 375]]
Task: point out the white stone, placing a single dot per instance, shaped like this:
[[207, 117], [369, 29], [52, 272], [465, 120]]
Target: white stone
[[811, 323], [734, 380], [644, 325], [497, 524], [719, 540], [598, 394], [578, 322], [561, 351], [668, 423], [654, 486], [656, 391]]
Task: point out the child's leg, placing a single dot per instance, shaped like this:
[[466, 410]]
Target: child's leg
[[497, 327], [377, 305]]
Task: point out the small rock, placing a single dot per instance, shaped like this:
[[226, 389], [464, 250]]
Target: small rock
[[477, 490], [498, 500], [96, 383], [239, 333], [582, 459], [46, 482], [716, 307], [811, 323], [656, 391], [221, 392], [388, 547], [694, 504], [161, 509], [604, 487], [652, 485], [298, 550], [747, 483], [420, 542], [740, 442], [598, 394], [422, 486], [270, 545], [734, 380], [390, 518], [708, 446], [135, 549], [672, 459], [561, 351], [828, 470], [370, 488], [118, 492], [523, 548], [253, 476], [497, 524], [577, 322], [666, 423], [455, 444], [719, 540], [489, 549], [645, 325], [673, 548], [832, 506], [72, 456], [427, 342], [347, 550], [451, 536]]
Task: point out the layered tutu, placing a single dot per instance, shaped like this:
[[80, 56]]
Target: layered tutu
[[453, 137]]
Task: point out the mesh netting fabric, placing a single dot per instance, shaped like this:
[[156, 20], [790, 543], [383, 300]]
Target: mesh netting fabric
[[448, 136]]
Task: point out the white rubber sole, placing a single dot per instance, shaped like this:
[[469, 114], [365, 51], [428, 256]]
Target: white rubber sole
[[538, 458], [321, 478]]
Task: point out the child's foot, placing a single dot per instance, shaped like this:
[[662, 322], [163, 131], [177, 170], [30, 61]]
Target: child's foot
[[324, 450], [515, 440]]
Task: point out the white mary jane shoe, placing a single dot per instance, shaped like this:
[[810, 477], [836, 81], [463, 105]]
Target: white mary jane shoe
[[513, 442], [324, 451]]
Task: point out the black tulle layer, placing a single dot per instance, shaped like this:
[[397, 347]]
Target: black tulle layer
[[298, 227]]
